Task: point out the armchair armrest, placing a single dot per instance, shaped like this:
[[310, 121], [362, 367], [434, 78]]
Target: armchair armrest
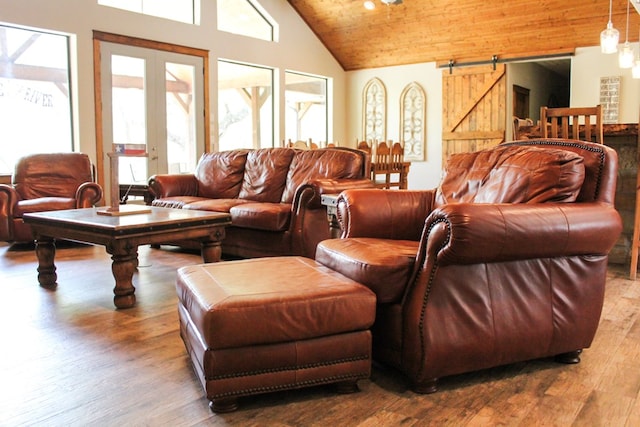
[[483, 233], [88, 195], [8, 199], [385, 214], [167, 185]]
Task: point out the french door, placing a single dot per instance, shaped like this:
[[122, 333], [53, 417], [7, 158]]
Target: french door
[[151, 98]]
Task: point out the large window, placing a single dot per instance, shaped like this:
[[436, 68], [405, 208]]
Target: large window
[[244, 17], [176, 10], [306, 113], [35, 101], [245, 106]]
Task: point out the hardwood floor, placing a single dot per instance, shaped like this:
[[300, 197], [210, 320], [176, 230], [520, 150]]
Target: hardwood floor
[[68, 357]]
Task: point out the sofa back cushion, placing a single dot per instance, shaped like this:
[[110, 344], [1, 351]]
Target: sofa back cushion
[[512, 174], [265, 174], [51, 175], [220, 175], [323, 163]]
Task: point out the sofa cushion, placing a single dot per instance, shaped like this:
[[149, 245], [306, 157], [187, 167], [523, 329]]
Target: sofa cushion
[[262, 216], [220, 175], [385, 270], [215, 205], [512, 174], [265, 174], [317, 164], [43, 204]]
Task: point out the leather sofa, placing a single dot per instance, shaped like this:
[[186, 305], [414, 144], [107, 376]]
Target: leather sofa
[[272, 194], [45, 182], [504, 262]]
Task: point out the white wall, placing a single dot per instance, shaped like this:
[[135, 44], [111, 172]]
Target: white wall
[[422, 174], [587, 66], [298, 49]]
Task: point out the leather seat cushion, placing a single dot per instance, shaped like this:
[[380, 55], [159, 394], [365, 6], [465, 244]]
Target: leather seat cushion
[[43, 204], [215, 205], [262, 216], [382, 265], [271, 300]]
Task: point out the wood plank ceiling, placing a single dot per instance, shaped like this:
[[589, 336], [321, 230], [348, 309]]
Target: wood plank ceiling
[[464, 30]]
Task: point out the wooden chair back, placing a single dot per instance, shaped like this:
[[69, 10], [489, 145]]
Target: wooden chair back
[[517, 122], [364, 146], [583, 123]]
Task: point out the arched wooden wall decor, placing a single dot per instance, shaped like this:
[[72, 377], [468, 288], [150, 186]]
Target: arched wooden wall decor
[[413, 118], [374, 111]]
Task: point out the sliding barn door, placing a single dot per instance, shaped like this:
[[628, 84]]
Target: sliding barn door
[[474, 108]]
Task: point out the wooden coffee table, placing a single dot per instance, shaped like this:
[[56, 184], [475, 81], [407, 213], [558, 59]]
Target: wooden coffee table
[[121, 235]]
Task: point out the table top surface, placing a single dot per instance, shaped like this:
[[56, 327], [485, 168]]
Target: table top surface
[[158, 218]]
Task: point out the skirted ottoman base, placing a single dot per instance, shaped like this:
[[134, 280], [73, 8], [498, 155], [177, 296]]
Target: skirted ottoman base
[[268, 324]]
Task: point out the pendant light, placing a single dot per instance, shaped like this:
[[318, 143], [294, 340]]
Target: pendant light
[[609, 37], [626, 57], [635, 71]]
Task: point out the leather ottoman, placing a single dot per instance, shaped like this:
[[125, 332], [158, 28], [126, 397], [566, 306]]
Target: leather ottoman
[[267, 324]]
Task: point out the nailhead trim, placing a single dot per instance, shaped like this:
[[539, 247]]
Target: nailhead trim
[[289, 368], [308, 383]]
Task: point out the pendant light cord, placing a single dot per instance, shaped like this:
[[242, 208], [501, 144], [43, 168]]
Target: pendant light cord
[[627, 31]]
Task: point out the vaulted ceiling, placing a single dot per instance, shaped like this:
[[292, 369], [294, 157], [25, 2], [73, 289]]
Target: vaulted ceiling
[[460, 30]]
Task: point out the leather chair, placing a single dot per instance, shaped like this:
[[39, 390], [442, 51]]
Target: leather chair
[[504, 262], [45, 182]]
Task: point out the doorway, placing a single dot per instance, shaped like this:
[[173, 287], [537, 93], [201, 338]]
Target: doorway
[[154, 99]]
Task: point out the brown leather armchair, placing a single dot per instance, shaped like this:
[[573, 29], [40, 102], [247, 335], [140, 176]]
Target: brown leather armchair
[[45, 182], [504, 262]]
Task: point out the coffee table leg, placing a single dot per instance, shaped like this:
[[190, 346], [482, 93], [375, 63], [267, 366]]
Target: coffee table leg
[[212, 246], [125, 261], [46, 252]]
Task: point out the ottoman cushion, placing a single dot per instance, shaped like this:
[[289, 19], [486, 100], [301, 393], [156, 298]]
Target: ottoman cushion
[[269, 324], [271, 300]]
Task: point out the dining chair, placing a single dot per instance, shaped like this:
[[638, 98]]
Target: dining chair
[[517, 123], [397, 167], [582, 123], [380, 165]]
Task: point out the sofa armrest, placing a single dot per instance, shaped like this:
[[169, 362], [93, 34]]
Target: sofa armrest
[[484, 233], [385, 214], [167, 185], [88, 195], [330, 186]]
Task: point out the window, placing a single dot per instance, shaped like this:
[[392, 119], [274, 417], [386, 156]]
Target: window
[[35, 101], [176, 10], [306, 103], [245, 106], [244, 17]]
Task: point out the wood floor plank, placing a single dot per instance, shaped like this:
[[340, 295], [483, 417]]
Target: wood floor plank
[[70, 358]]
